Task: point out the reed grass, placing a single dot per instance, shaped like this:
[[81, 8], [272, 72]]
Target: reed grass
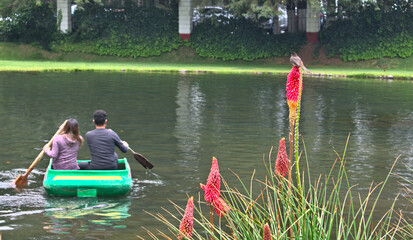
[[328, 209], [406, 231]]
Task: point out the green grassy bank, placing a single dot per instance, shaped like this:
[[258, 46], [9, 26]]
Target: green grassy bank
[[16, 57]]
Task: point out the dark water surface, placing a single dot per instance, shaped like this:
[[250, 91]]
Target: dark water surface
[[180, 122]]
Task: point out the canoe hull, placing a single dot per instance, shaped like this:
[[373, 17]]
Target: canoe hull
[[88, 183]]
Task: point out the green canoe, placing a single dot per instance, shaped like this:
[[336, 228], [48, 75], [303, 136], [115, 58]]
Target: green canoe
[[88, 183]]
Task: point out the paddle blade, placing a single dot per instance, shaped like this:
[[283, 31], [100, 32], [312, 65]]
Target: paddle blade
[[20, 180], [142, 160]]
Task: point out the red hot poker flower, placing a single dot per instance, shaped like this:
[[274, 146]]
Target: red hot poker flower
[[187, 223], [267, 233], [213, 185], [221, 207], [294, 89], [282, 162], [293, 86]]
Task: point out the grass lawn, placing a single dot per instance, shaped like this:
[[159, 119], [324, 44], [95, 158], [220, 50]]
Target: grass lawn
[[16, 57]]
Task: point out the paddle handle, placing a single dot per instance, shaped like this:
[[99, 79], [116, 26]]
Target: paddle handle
[[36, 161], [131, 150]]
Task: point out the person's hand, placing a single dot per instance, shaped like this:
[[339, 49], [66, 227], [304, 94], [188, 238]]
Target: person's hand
[[62, 125], [125, 143], [46, 148]]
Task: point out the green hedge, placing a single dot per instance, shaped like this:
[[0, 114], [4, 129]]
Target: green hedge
[[129, 32], [142, 32], [371, 33], [241, 39]]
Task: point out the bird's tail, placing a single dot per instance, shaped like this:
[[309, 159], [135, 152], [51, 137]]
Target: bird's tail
[[305, 69]]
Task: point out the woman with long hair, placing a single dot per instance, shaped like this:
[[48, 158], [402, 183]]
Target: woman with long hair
[[65, 147]]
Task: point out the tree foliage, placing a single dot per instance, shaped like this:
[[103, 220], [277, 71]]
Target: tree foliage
[[32, 23], [350, 8], [371, 33], [251, 9]]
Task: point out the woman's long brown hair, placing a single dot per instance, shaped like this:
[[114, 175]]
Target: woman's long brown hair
[[72, 129]]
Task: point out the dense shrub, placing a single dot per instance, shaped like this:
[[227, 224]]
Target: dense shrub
[[371, 33], [30, 24], [130, 32], [232, 39], [141, 32]]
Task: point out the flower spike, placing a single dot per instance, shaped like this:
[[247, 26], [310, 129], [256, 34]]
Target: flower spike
[[221, 207], [187, 223], [267, 233], [282, 162], [294, 89], [213, 185]]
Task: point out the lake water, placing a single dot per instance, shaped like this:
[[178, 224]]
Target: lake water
[[179, 122]]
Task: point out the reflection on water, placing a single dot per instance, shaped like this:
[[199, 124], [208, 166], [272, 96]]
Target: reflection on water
[[400, 133], [68, 216], [281, 112], [362, 136], [189, 114], [179, 122]]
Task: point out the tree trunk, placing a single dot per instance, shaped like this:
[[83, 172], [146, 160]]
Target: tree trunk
[[302, 14], [276, 25], [292, 20], [331, 8]]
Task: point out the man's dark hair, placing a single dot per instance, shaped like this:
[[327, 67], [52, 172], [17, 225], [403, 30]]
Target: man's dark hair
[[99, 116]]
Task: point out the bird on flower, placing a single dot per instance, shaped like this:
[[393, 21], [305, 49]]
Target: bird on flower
[[294, 89], [297, 62]]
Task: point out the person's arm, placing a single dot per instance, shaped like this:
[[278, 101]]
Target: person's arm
[[122, 145], [83, 141], [55, 148]]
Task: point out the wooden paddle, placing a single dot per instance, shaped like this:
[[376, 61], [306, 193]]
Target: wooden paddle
[[22, 179], [142, 160]]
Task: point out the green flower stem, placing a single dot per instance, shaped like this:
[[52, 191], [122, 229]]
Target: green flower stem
[[296, 139]]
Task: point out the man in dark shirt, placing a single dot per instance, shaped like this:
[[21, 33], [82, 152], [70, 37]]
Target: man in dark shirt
[[102, 142]]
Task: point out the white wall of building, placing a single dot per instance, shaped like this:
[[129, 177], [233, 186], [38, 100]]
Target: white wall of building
[[185, 18], [64, 6], [312, 23], [313, 19]]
